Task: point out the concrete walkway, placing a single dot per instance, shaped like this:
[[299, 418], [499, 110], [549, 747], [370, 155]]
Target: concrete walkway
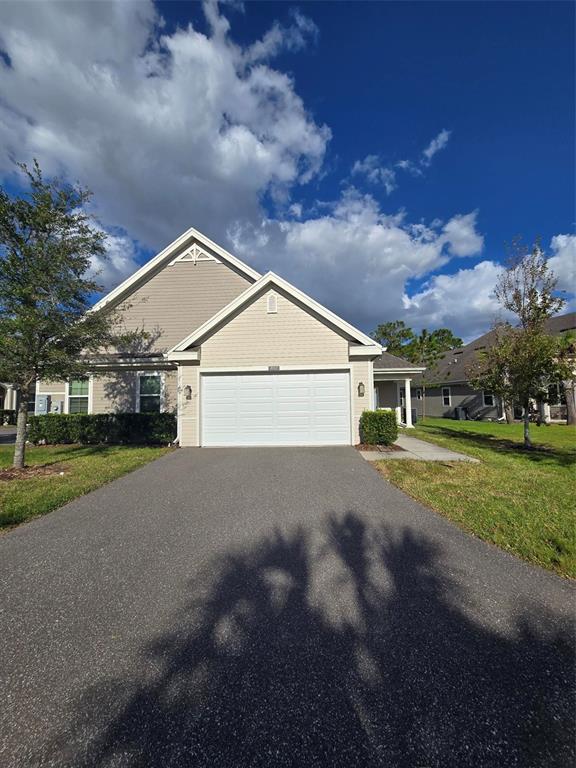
[[417, 450]]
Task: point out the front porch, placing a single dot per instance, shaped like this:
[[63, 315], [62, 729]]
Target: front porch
[[394, 393]]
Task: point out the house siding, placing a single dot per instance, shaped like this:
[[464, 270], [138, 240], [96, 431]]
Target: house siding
[[178, 299], [292, 336], [116, 392], [462, 396]]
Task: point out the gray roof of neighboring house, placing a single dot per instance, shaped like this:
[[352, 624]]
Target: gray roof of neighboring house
[[453, 365], [386, 360]]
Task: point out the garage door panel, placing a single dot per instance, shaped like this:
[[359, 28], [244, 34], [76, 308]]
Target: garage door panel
[[276, 409]]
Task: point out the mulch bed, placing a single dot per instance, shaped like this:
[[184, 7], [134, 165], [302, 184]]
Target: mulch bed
[[381, 448], [11, 473]]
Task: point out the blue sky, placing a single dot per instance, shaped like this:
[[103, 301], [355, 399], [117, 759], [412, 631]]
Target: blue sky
[[378, 155]]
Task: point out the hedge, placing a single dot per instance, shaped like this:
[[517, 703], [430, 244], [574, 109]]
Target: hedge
[[378, 427], [109, 428], [7, 417]]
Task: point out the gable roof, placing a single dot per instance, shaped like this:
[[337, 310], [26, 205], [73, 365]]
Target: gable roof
[[164, 257], [271, 279], [452, 366], [388, 361]]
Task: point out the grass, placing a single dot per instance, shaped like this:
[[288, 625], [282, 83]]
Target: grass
[[85, 468], [522, 501]]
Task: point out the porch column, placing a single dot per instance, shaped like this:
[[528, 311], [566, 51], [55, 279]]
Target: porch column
[[398, 404], [10, 403], [545, 412], [408, 403]]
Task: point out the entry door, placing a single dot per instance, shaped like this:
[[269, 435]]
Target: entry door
[[276, 409]]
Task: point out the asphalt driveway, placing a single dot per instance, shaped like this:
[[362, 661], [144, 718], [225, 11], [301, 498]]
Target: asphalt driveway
[[275, 607]]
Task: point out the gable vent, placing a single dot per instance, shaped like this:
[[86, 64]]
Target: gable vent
[[272, 307]]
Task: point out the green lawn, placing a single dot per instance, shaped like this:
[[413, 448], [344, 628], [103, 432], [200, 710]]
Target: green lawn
[[85, 468], [522, 501]]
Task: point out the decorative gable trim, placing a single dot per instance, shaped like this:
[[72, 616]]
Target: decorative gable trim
[[271, 279], [190, 237], [194, 254]]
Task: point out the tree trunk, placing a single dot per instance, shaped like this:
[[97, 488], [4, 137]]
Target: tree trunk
[[527, 440], [509, 413], [570, 393], [20, 446]]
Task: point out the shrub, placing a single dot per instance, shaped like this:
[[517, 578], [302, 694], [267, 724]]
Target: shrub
[[378, 427], [103, 428], [7, 417]]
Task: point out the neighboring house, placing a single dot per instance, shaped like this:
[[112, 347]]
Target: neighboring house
[[449, 388], [240, 358], [392, 384]]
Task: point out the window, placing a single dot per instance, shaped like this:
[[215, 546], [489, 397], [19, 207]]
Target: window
[[418, 394], [32, 399], [446, 400], [78, 396], [149, 393], [488, 399]]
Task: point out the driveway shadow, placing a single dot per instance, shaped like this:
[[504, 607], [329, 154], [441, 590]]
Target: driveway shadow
[[348, 647]]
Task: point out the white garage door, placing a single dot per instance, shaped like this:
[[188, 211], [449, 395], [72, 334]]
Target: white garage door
[[276, 409]]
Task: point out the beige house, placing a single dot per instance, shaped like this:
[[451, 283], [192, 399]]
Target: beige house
[[240, 358]]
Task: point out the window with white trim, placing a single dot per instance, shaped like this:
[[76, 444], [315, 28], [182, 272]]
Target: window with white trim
[[149, 393], [418, 394], [272, 304], [78, 392], [488, 398], [446, 398]]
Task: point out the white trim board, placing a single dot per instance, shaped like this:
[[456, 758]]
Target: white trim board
[[270, 278], [164, 256]]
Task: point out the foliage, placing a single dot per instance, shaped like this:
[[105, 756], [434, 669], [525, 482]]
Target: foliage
[[394, 335], [378, 427], [521, 501], [104, 428], [48, 246], [524, 360], [424, 349], [80, 469]]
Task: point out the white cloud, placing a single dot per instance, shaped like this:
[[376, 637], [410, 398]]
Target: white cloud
[[438, 142], [563, 261], [463, 301], [375, 173], [354, 258], [167, 129]]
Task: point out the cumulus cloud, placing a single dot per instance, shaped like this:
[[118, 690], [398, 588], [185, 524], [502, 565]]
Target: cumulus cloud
[[463, 301], [354, 258], [166, 128], [563, 261]]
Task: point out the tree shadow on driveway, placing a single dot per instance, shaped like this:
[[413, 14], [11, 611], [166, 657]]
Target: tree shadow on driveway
[[347, 647]]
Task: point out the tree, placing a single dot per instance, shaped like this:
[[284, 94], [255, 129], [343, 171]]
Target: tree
[[524, 359], [401, 340], [394, 336], [47, 247], [426, 350], [567, 356]]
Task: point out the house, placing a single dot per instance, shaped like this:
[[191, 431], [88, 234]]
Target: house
[[240, 358], [451, 390]]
